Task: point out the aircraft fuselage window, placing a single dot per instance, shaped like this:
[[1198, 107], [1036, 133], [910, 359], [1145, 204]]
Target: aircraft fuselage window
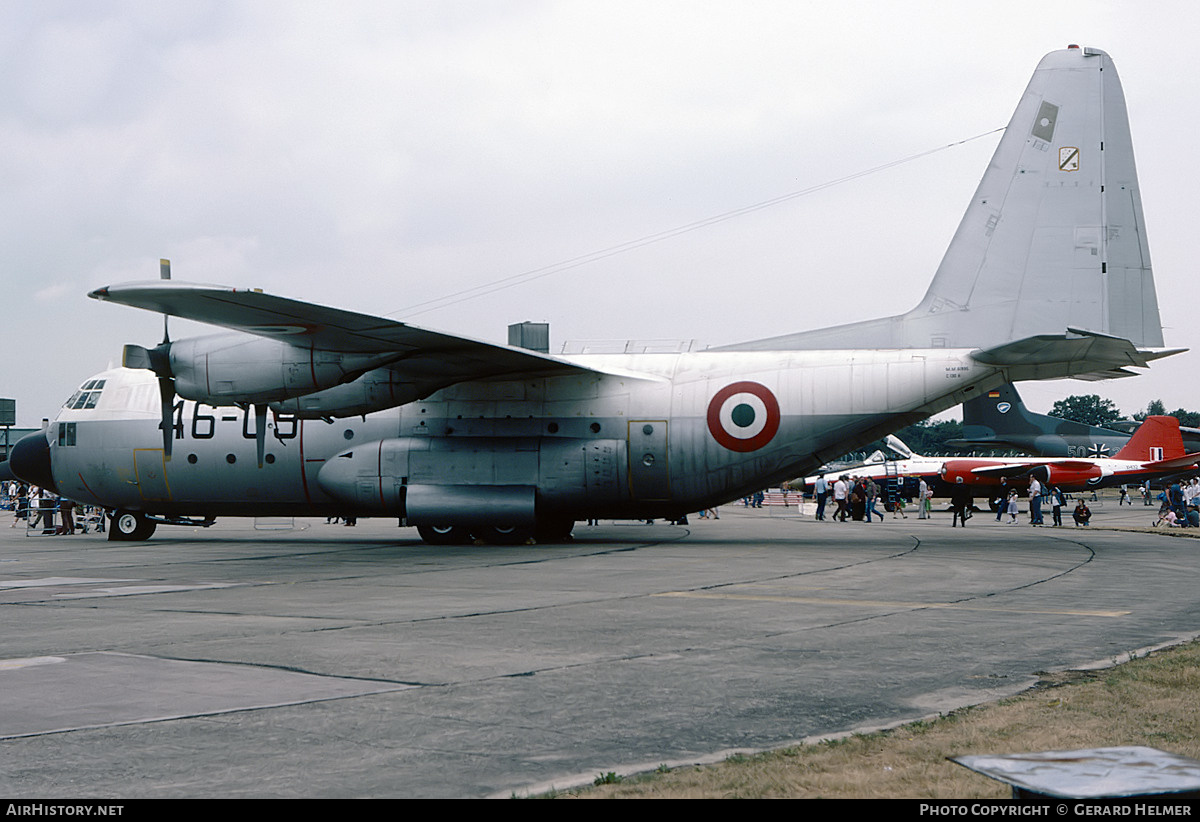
[[66, 433]]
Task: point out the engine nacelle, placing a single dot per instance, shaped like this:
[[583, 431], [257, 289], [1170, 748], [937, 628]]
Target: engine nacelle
[[1067, 474], [374, 391], [962, 472], [1074, 476], [226, 369]]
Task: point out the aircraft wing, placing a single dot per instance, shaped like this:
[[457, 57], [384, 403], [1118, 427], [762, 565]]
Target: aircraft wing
[[1017, 469], [1008, 469], [420, 354]]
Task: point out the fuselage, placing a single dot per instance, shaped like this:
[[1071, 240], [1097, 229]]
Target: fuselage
[[654, 435]]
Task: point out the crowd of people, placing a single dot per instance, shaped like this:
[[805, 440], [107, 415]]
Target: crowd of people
[[856, 498], [1179, 504], [40, 509]]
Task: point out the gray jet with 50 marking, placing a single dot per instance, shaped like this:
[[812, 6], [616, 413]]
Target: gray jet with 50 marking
[[999, 419]]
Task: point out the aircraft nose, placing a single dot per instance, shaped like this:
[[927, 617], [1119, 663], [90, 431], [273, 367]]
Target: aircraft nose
[[30, 460]]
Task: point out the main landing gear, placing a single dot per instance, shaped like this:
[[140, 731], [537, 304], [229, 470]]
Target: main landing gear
[[130, 526], [550, 530]]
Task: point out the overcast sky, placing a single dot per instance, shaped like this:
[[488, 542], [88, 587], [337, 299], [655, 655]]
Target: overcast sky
[[379, 155]]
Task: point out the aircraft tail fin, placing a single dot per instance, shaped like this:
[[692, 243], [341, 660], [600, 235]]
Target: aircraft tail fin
[[1000, 414], [1053, 238], [1156, 439], [996, 412]]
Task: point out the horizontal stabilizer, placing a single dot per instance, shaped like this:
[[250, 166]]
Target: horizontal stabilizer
[[1075, 353], [1177, 464]]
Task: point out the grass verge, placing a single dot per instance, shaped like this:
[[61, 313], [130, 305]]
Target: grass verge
[[1147, 701]]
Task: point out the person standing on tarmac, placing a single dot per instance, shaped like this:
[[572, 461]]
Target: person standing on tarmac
[[960, 506], [1059, 501], [841, 490], [1035, 502], [821, 493]]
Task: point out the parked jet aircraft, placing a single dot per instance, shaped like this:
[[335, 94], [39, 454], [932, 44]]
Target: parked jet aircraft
[[898, 476], [998, 419], [1047, 276], [1153, 452]]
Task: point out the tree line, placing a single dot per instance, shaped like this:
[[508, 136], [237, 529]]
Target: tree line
[[1092, 409]]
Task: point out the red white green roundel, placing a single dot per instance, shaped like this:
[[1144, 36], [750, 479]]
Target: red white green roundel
[[743, 416]]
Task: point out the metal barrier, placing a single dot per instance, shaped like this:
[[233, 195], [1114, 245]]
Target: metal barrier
[[51, 520], [40, 518]]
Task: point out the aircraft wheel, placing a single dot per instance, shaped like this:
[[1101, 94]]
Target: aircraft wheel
[[444, 534], [553, 530], [128, 526], [502, 534]]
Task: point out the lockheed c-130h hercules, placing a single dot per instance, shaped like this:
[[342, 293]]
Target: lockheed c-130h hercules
[[1048, 276]]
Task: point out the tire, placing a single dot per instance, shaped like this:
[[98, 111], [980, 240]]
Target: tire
[[502, 534], [444, 534], [128, 526], [553, 530]]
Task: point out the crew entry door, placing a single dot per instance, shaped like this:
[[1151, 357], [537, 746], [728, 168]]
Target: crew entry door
[[151, 469]]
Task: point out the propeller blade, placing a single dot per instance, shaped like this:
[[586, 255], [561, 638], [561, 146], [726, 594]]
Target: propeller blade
[[166, 392], [136, 356], [260, 430], [164, 273]]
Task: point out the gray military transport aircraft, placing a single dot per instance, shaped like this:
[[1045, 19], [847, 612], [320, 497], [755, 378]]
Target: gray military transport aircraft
[[1048, 276]]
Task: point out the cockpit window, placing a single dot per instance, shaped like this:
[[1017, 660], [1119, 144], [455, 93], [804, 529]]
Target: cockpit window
[[87, 396]]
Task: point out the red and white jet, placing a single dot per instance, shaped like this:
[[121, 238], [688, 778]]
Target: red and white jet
[[1153, 452]]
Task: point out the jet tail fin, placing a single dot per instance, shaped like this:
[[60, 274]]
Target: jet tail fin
[[1155, 440], [1053, 238], [999, 414], [986, 416]]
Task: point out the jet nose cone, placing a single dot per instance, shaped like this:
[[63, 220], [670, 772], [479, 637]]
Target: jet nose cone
[[30, 460]]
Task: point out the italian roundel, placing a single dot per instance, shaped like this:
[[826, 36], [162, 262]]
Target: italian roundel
[[743, 416]]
